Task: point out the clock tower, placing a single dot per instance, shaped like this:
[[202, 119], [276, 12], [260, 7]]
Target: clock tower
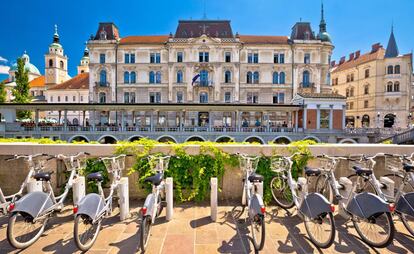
[[56, 62]]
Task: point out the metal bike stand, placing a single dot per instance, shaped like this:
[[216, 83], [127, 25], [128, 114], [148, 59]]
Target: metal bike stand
[[260, 188], [123, 193], [213, 198], [78, 189], [34, 185], [169, 198]]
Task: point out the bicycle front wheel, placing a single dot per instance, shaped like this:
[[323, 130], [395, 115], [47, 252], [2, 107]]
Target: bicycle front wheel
[[257, 225], [363, 184], [85, 232], [281, 191], [321, 230], [145, 232], [23, 231], [323, 187], [377, 231]]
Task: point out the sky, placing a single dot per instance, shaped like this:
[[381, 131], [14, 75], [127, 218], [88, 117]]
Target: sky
[[353, 24]]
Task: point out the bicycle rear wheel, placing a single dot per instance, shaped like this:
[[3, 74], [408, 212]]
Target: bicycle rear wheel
[[377, 231], [145, 232], [321, 230], [323, 187], [281, 191], [85, 231], [22, 231], [257, 226], [363, 185]]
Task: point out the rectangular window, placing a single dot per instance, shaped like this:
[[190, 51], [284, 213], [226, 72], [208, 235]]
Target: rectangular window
[[203, 57], [228, 57], [58, 98], [155, 97], [74, 98], [351, 105], [155, 58], [366, 104], [180, 97], [281, 58], [366, 89], [275, 99], [255, 58], [51, 98], [367, 73], [250, 58], [252, 98], [227, 97], [126, 97], [102, 58], [324, 119], [132, 56], [276, 58], [66, 99], [179, 57], [127, 58], [81, 98], [306, 59], [281, 98]]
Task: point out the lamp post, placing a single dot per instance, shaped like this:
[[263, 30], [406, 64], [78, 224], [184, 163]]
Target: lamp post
[[378, 119]]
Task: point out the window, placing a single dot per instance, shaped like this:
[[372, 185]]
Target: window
[[227, 57], [306, 79], [126, 77], [282, 78], [58, 98], [180, 57], [352, 77], [256, 77], [50, 63], [281, 58], [204, 78], [253, 58], [324, 119], [366, 89], [227, 97], [151, 77], [390, 70], [250, 58], [306, 59], [203, 98], [129, 97], [227, 77], [179, 76], [62, 65], [132, 56], [81, 98], [155, 58], [367, 73], [366, 103], [396, 86], [51, 98], [102, 58], [389, 86], [180, 97], [203, 57], [133, 77], [249, 77], [74, 98], [127, 59], [155, 97], [397, 69], [252, 98], [275, 78], [158, 77], [126, 97], [102, 97], [276, 58], [351, 105], [279, 98], [351, 93], [102, 78]]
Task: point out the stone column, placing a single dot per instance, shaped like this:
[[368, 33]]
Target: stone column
[[305, 117], [343, 117], [209, 120], [37, 119], [296, 120], [122, 120], [331, 117], [93, 120], [318, 117], [65, 119], [151, 120]]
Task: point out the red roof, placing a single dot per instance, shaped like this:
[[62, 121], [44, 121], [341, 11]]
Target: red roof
[[37, 82], [145, 39], [80, 81], [365, 58], [263, 39]]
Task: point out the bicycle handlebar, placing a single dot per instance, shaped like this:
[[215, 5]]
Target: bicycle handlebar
[[29, 157]]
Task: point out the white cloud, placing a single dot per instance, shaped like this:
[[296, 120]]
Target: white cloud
[[2, 59], [4, 69]]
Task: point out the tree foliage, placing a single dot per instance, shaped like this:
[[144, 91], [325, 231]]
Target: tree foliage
[[21, 90], [3, 93]]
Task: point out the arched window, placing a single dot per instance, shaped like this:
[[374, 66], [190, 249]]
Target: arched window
[[102, 97], [282, 78], [396, 86], [102, 78], [133, 77], [397, 69], [227, 77], [389, 86], [62, 65], [275, 78], [249, 77], [351, 93], [152, 77], [203, 98], [158, 77], [179, 77], [306, 79], [256, 77], [50, 63], [390, 70], [126, 77]]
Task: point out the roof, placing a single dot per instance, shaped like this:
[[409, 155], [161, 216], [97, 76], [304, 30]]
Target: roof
[[37, 82], [155, 39], [260, 39], [392, 48], [300, 29], [110, 29], [365, 58], [80, 81], [322, 95], [196, 28], [5, 81]]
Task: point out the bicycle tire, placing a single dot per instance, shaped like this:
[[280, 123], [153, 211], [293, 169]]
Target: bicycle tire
[[88, 221], [145, 232], [331, 236], [322, 188], [389, 236], [11, 237], [261, 223], [368, 183], [278, 194]]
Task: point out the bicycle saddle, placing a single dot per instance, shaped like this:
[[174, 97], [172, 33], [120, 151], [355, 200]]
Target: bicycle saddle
[[97, 176], [155, 179], [362, 171], [256, 178], [312, 171], [42, 176], [408, 167]]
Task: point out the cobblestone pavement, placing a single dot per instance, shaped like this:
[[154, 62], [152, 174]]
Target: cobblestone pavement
[[192, 231]]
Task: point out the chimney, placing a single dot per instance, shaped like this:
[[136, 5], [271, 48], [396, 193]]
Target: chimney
[[375, 47], [342, 60], [351, 56], [333, 63], [357, 54]]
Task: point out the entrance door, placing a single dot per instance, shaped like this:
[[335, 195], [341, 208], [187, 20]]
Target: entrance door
[[203, 119], [389, 120]]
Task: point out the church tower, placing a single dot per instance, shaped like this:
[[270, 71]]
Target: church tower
[[56, 62], [83, 67]]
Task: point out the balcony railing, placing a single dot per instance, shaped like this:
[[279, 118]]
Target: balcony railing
[[204, 83], [102, 84]]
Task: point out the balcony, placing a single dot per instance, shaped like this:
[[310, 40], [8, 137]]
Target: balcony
[[102, 84], [307, 87], [204, 83]]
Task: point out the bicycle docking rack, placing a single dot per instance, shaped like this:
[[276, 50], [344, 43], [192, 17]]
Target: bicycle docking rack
[[123, 193], [34, 185], [169, 198], [78, 189], [213, 198]]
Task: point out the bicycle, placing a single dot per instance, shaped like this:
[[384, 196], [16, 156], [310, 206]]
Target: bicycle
[[31, 213], [154, 203], [34, 166], [253, 199], [92, 208], [370, 214], [313, 208]]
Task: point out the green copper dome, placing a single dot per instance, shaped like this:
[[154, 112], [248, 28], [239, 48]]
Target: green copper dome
[[55, 45], [324, 36], [27, 65]]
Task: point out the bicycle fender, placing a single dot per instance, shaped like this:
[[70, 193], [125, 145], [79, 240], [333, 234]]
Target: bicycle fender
[[405, 204], [256, 205], [365, 204], [314, 204], [33, 203], [150, 204], [91, 205]]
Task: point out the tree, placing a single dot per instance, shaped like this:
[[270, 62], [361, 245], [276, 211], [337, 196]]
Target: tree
[[3, 93], [21, 90]]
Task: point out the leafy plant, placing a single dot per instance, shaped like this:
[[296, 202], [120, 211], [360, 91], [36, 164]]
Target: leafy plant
[[93, 166], [3, 92]]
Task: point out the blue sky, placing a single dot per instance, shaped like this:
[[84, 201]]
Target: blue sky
[[353, 24]]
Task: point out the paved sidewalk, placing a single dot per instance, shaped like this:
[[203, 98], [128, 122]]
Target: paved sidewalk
[[191, 231]]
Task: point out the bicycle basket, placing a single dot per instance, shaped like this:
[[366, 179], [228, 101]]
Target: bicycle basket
[[159, 164], [393, 163], [325, 164], [278, 164], [359, 162], [113, 165], [248, 164], [77, 163]]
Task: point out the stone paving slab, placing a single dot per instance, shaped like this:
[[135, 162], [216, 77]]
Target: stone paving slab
[[192, 231]]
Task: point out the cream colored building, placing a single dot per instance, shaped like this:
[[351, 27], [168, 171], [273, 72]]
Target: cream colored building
[[377, 85]]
